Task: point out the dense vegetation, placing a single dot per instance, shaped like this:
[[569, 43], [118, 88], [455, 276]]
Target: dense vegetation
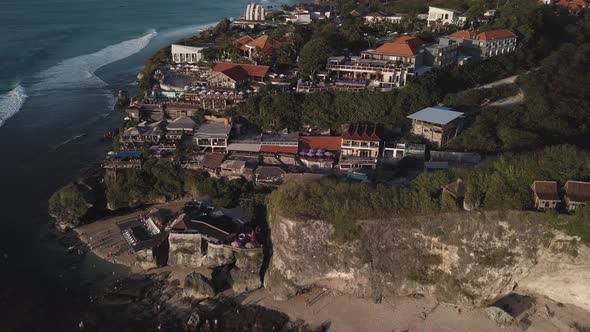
[[503, 184], [70, 204]]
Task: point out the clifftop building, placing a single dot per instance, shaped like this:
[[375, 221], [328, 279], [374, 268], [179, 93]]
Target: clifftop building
[[437, 124], [486, 44], [254, 12], [445, 16], [390, 65]]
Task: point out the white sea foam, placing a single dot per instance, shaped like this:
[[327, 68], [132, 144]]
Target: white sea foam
[[11, 103], [75, 138], [78, 72]]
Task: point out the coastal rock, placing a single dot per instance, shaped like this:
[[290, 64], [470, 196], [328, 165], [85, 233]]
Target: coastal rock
[[70, 204], [197, 287], [122, 99], [244, 281], [464, 258]]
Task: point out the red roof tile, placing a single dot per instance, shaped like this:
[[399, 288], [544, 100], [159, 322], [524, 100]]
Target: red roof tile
[[243, 40], [251, 70], [546, 190], [574, 6], [237, 73], [578, 191], [404, 45], [279, 149], [361, 132], [463, 34], [330, 143], [496, 34]]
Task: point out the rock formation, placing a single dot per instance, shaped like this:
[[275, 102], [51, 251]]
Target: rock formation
[[467, 258], [197, 287]]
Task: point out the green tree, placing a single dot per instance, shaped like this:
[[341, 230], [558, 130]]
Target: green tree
[[314, 56], [70, 204]]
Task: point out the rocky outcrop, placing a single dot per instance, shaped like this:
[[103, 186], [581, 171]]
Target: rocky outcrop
[[460, 258], [197, 287]]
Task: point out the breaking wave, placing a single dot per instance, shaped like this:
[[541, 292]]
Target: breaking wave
[[78, 72], [75, 138], [11, 103]]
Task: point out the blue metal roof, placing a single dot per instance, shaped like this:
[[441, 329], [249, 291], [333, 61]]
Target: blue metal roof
[[129, 154], [437, 114]]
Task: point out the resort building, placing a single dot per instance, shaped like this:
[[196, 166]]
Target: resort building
[[577, 193], [359, 147], [299, 16], [545, 195], [187, 54], [142, 134], [261, 46], [180, 126], [442, 16], [442, 54], [381, 17], [319, 152], [437, 124], [213, 137], [486, 44], [233, 76], [254, 12], [390, 65]]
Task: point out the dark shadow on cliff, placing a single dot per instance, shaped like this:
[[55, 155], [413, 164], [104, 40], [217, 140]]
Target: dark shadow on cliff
[[514, 304]]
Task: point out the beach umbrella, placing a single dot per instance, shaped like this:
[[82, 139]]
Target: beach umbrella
[[302, 153], [311, 154], [328, 154], [319, 154]]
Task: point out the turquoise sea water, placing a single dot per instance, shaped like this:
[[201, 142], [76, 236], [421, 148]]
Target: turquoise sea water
[[62, 63]]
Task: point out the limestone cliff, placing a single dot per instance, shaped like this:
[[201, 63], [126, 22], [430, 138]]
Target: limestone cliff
[[460, 258]]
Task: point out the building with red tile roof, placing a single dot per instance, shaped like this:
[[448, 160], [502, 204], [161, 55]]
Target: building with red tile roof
[[545, 194], [235, 75], [404, 46], [359, 146], [261, 46], [577, 193], [390, 65], [572, 7], [328, 143], [486, 44]]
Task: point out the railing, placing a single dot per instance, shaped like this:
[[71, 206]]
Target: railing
[[389, 69]]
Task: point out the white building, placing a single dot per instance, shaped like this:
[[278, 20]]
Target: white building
[[187, 54], [254, 12], [445, 16], [299, 17], [379, 17]]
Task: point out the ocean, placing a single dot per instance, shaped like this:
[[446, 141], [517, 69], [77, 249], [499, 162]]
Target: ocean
[[63, 63]]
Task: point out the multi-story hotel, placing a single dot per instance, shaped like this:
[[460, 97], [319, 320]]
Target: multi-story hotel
[[486, 44], [390, 65], [360, 147]]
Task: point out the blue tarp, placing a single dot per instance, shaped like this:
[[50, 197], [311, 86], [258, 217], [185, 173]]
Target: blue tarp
[[129, 154]]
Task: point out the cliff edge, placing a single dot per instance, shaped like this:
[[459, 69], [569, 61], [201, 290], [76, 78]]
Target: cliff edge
[[463, 258]]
